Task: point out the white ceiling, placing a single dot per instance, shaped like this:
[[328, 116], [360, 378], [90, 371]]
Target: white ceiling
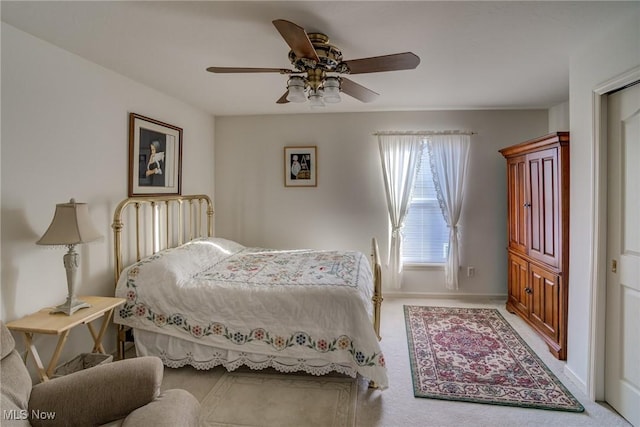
[[474, 55]]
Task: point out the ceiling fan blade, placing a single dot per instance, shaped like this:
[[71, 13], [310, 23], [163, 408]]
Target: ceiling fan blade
[[297, 39], [283, 98], [248, 70], [376, 64], [359, 92]]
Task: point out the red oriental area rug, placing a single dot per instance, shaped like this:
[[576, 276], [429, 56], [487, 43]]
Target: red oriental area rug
[[474, 355]]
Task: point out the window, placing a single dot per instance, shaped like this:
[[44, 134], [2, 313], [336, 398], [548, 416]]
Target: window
[[426, 236]]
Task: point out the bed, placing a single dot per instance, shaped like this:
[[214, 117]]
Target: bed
[[204, 301]]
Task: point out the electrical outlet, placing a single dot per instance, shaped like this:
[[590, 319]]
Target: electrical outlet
[[471, 271]]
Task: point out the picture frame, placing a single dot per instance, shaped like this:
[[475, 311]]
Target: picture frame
[[155, 157], [300, 166]]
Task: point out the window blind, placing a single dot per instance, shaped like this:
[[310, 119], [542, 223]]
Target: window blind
[[426, 236]]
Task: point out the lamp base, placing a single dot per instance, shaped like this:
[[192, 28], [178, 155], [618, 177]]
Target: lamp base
[[70, 306]]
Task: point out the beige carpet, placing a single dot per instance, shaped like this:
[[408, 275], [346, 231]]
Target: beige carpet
[[397, 406], [273, 400]]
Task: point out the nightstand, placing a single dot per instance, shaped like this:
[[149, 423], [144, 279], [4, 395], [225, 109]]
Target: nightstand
[[42, 322]]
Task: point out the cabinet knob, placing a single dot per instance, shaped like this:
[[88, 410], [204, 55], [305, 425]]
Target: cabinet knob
[[528, 290], [527, 205]]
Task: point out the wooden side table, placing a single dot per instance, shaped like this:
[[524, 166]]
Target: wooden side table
[[42, 322]]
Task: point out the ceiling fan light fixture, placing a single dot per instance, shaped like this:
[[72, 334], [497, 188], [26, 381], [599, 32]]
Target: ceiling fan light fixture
[[331, 90], [296, 89], [314, 58], [315, 98]]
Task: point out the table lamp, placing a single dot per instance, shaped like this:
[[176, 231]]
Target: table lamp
[[71, 225]]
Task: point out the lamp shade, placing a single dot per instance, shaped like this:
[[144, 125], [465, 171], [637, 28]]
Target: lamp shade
[[331, 90], [296, 90], [71, 225], [315, 98]]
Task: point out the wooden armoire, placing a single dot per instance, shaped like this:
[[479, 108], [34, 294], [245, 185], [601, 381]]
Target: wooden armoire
[[538, 236]]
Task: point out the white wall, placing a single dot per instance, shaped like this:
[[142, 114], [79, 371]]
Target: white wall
[[559, 117], [348, 206], [614, 53], [65, 134]]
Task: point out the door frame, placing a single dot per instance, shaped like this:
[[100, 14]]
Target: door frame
[[598, 279]]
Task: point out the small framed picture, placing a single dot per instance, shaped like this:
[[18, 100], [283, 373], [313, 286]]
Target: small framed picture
[[300, 167], [155, 157]]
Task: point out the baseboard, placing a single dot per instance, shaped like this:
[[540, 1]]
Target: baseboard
[[456, 296], [582, 386]]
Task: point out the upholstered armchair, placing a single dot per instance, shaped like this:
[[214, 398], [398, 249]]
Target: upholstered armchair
[[123, 393]]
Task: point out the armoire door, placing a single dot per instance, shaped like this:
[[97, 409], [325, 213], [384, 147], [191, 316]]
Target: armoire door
[[518, 282], [543, 206], [517, 200], [545, 301]]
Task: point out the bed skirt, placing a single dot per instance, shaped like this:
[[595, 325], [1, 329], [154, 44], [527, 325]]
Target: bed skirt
[[176, 353]]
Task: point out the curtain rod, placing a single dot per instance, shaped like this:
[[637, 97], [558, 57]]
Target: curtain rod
[[427, 132]]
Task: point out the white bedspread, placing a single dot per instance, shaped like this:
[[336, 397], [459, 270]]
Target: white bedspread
[[313, 305]]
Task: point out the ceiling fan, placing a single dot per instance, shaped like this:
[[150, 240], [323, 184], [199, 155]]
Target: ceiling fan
[[319, 68]]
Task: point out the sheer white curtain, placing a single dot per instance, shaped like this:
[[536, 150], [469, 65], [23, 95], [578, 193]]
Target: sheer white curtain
[[449, 162], [400, 156]]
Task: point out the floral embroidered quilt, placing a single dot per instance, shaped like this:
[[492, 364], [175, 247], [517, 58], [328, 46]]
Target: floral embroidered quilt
[[300, 304]]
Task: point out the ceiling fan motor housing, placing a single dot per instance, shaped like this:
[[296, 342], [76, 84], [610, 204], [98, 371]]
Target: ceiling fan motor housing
[[330, 57]]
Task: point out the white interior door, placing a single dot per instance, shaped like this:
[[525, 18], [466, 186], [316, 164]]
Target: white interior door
[[622, 363]]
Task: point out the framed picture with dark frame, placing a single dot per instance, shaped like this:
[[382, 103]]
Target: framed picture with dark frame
[[300, 167], [155, 157]]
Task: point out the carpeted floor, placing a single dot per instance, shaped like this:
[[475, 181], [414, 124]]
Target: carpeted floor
[[253, 399], [397, 406]]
